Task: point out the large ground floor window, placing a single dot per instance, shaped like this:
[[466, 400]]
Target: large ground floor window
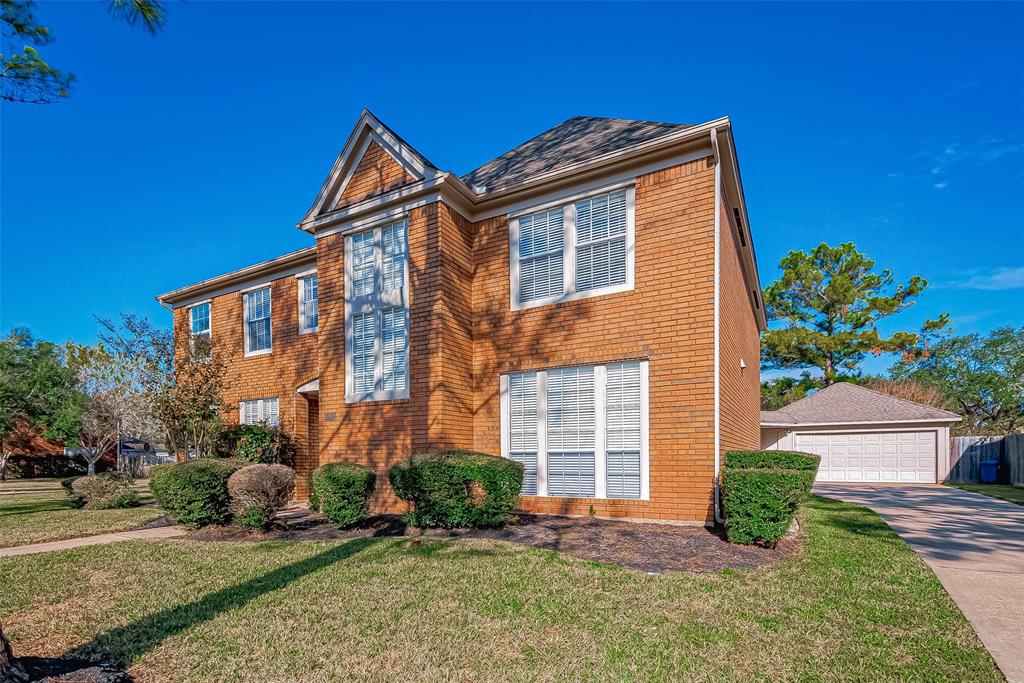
[[580, 432]]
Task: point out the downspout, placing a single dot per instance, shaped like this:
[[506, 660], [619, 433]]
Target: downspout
[[719, 518]]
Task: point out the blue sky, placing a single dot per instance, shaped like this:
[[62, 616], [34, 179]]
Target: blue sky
[[897, 127]]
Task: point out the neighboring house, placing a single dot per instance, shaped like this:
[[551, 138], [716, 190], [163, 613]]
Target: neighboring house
[[137, 456], [586, 304], [864, 435]]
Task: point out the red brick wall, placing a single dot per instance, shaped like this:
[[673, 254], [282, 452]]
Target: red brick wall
[[667, 318], [291, 363], [376, 173], [739, 389]]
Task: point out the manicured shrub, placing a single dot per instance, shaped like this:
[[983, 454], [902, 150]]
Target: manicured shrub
[[260, 444], [458, 488], [195, 492], [103, 491], [342, 490], [258, 492], [66, 484], [761, 491]]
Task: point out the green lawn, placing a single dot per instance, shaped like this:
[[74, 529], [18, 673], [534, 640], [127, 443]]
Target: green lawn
[[856, 604], [45, 513], [1014, 494]]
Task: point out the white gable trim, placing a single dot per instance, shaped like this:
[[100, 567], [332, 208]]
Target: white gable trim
[[367, 129]]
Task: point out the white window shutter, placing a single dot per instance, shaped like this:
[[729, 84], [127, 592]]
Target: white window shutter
[[394, 338], [622, 423], [541, 240], [522, 390], [363, 335], [363, 262], [601, 233], [571, 432], [393, 256]]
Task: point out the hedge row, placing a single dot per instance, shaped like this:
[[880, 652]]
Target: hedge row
[[458, 488], [195, 492], [761, 491]]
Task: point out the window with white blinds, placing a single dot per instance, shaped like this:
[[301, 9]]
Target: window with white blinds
[[257, 321], [575, 250], [259, 411], [579, 432], [522, 421], [309, 304], [377, 313]]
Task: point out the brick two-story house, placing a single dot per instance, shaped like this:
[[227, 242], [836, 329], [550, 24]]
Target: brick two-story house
[[586, 304]]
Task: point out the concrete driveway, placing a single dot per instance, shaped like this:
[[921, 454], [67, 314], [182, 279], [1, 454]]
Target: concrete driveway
[[975, 546]]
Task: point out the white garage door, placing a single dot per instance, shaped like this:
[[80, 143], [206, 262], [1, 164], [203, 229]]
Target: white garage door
[[873, 456]]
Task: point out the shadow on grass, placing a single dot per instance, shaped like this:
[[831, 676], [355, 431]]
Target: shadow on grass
[[35, 507], [126, 643]]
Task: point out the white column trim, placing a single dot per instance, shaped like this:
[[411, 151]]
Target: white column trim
[[600, 431], [542, 433]]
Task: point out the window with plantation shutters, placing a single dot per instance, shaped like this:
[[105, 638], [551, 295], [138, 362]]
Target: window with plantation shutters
[[522, 392], [579, 248], [259, 411], [579, 432], [377, 313], [257, 321], [601, 241], [541, 242], [199, 322], [570, 431], [622, 425]]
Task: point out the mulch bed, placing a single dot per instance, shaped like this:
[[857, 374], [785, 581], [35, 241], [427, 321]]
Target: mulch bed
[[648, 547]]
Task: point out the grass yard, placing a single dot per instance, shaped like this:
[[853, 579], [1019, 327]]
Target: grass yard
[[857, 604], [44, 513], [1014, 494]]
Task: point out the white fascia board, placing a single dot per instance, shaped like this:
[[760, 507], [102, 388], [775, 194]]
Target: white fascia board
[[839, 425]]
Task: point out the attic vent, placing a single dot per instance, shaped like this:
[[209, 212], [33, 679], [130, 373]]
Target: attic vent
[[739, 227], [757, 299]]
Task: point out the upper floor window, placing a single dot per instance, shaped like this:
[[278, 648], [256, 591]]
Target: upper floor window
[[579, 432], [377, 314], [199, 324], [257, 321], [259, 411], [309, 307], [574, 250]]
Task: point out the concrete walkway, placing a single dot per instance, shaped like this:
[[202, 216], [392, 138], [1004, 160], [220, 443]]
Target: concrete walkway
[[975, 546], [158, 533]]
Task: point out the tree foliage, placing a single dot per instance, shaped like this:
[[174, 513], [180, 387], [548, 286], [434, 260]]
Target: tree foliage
[[25, 76], [182, 381], [38, 394], [829, 302], [980, 377]]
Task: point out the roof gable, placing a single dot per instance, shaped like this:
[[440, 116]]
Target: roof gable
[[374, 159], [846, 403], [575, 140]]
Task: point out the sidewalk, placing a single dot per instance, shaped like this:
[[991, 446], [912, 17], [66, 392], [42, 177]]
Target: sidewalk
[[158, 533]]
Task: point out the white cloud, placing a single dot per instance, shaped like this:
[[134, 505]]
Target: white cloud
[[941, 186], [995, 280]]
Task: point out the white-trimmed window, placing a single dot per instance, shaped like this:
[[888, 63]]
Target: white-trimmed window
[[199, 327], [259, 411], [377, 313], [573, 250], [309, 304], [580, 432], [257, 321]]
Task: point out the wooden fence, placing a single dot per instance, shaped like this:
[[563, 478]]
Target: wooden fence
[[967, 452]]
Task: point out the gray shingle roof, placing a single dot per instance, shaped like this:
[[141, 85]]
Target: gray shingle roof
[[845, 403], [578, 139]]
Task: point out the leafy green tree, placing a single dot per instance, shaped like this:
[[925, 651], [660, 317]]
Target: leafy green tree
[[38, 394], [25, 76], [829, 302], [981, 377]]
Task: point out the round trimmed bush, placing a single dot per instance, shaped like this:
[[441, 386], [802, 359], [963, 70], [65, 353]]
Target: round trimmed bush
[[104, 491], [342, 490], [458, 488], [258, 492], [195, 492]]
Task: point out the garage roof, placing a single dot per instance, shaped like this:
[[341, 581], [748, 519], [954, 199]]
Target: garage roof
[[845, 403]]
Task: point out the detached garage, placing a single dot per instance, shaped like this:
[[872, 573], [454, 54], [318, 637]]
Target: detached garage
[[863, 435]]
